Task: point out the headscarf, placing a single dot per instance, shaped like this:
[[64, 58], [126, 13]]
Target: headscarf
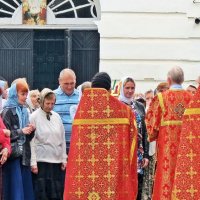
[[122, 96], [12, 102], [43, 94]]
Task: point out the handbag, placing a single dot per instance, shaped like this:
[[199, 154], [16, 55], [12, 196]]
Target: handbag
[[16, 149]]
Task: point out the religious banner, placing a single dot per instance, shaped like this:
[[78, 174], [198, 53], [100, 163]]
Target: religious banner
[[34, 12]]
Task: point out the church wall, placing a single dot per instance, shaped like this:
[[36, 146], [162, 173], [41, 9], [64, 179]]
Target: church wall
[[145, 39]]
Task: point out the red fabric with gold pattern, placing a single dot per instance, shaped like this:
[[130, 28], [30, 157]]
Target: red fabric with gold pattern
[[187, 180], [102, 162], [164, 120]]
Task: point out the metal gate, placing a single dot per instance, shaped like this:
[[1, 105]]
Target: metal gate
[[40, 55], [16, 55]]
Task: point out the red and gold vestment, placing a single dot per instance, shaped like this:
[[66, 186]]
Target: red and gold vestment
[[187, 179], [102, 162], [164, 120]]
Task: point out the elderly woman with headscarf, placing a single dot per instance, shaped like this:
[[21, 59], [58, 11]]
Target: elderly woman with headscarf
[[17, 180], [32, 101], [127, 89], [48, 159]]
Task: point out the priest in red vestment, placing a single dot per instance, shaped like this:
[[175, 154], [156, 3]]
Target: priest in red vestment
[[187, 180], [164, 121], [102, 161]]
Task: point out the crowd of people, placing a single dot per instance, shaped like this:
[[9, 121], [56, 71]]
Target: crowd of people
[[92, 143]]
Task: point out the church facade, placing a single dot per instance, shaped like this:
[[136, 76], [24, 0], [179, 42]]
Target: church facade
[[140, 38]]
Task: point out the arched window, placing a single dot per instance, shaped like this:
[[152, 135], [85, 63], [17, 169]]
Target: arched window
[[57, 11]]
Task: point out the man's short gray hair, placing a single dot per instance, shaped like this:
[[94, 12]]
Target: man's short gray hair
[[176, 74], [68, 72]]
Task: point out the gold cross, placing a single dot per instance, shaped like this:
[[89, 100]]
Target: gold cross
[[79, 176], [79, 160], [93, 144], [92, 111], [79, 143], [108, 111], [109, 192], [108, 127], [192, 190], [108, 159], [93, 176], [176, 191], [93, 196], [92, 135], [108, 143], [93, 160], [79, 193], [190, 137], [92, 95], [191, 155], [109, 176], [191, 172]]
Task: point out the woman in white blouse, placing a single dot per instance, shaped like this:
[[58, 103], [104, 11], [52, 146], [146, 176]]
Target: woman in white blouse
[[48, 149]]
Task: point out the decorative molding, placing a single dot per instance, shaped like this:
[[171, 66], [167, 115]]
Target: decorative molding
[[65, 12]]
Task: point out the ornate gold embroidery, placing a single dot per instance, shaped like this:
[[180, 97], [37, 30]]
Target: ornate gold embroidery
[[93, 196], [192, 111], [192, 190], [101, 121], [109, 192], [179, 110], [79, 176], [92, 111], [93, 160], [93, 176], [79, 193], [108, 143], [108, 111], [191, 137], [108, 159], [109, 176]]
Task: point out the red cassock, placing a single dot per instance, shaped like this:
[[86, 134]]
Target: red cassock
[[187, 180], [164, 121], [102, 162]]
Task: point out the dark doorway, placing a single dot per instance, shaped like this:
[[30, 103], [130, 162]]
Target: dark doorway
[[40, 55], [49, 57], [85, 54]]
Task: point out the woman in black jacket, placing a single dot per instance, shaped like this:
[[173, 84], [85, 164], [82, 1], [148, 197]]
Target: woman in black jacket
[[126, 96], [17, 181]]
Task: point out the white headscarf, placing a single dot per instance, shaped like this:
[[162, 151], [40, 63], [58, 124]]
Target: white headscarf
[[122, 96]]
